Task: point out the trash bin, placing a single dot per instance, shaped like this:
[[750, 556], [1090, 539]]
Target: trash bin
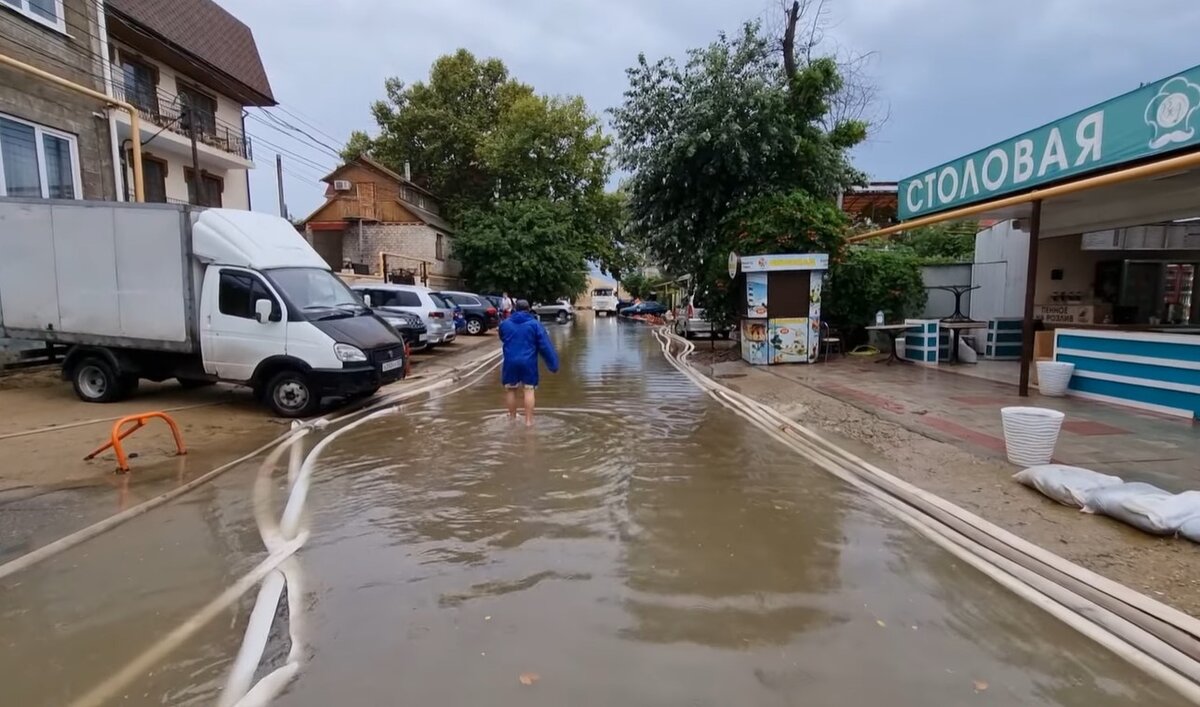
[[1054, 377], [1030, 434]]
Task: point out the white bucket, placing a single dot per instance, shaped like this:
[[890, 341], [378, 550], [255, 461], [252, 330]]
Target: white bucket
[[1030, 434], [1054, 377]]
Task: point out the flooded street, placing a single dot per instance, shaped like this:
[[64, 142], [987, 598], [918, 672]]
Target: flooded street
[[641, 546]]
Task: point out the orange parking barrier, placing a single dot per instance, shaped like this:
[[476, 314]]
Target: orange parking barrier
[[118, 435]]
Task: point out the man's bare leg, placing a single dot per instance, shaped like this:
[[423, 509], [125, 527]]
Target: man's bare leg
[[529, 401], [510, 398]]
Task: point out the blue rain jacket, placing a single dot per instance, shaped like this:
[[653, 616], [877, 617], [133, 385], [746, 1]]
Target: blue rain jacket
[[524, 338]]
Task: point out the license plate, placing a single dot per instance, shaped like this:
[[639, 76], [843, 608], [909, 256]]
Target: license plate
[[423, 337], [392, 365]]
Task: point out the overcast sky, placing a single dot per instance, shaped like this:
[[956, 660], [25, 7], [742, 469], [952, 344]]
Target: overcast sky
[[953, 75]]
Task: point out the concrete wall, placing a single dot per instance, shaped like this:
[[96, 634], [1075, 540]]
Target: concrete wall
[[941, 303], [75, 57], [1001, 257], [412, 240]]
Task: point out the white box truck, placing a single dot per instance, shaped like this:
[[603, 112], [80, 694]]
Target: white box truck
[[156, 291], [604, 301]]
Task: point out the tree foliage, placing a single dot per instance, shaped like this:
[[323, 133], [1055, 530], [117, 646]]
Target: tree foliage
[[868, 280], [946, 242], [484, 143], [527, 247], [712, 137]]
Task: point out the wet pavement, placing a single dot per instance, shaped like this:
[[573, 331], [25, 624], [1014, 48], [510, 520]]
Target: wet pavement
[[642, 545]]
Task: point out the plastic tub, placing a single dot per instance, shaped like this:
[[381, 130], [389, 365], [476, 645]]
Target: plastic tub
[[1054, 377], [1030, 434]]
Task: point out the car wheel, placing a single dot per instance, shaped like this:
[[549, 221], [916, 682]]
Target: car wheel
[[290, 394], [96, 381], [561, 317], [725, 335], [475, 327]]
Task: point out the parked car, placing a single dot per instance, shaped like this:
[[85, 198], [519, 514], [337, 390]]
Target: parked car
[[561, 311], [690, 322], [437, 317], [624, 304], [646, 308], [481, 315], [410, 327]]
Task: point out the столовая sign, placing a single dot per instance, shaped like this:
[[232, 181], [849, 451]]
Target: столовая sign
[[1155, 118]]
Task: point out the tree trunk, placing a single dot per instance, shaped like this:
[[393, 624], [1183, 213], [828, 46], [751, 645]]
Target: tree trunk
[[789, 41]]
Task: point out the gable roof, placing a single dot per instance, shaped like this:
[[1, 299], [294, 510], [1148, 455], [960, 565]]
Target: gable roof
[[426, 216], [206, 31]]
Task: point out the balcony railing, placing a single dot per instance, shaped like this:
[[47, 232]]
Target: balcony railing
[[171, 113]]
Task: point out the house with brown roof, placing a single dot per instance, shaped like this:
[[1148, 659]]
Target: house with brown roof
[[375, 221], [191, 68]]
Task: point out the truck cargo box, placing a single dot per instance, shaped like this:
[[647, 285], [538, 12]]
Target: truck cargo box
[[100, 273]]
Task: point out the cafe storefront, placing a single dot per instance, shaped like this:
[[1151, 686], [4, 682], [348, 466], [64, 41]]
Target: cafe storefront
[[1100, 243]]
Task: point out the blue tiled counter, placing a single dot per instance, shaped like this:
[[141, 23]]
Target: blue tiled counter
[[1148, 370]]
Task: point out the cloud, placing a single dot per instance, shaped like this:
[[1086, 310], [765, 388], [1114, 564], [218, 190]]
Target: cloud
[[991, 70]]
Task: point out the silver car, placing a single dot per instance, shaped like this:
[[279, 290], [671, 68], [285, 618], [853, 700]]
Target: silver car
[[433, 310], [691, 322]]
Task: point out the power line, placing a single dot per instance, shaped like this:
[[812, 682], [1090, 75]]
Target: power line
[[300, 117], [317, 146], [335, 151]]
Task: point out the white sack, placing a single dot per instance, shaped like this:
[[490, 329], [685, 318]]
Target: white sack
[[1069, 485]]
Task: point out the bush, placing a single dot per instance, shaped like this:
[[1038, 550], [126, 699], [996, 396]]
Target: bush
[[869, 280]]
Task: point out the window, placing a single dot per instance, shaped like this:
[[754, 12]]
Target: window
[[48, 12], [462, 300], [439, 248], [396, 298], [238, 293], [141, 84], [198, 107], [37, 162], [154, 180], [211, 189]]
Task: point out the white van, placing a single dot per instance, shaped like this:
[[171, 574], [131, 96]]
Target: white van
[[604, 301], [434, 311]]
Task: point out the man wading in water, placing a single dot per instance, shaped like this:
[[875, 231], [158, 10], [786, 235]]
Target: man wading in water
[[524, 339]]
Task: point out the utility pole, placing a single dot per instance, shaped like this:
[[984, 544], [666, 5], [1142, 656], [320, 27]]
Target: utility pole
[[197, 182], [279, 180]]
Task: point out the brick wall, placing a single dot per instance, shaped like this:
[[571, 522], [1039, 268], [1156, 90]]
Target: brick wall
[[73, 56], [412, 240]]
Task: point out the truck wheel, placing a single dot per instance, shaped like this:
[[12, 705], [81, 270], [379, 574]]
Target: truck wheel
[[475, 327], [96, 381], [290, 394]]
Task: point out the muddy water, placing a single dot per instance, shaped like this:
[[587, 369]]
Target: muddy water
[[640, 546]]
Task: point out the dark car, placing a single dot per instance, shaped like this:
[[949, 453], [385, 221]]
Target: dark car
[[410, 326], [481, 315], [645, 308], [623, 304]]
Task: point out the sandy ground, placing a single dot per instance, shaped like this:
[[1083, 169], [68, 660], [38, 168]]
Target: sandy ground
[[46, 431], [1165, 568]]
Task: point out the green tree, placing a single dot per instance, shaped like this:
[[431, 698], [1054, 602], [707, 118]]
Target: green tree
[[527, 247], [947, 242], [868, 280], [733, 124]]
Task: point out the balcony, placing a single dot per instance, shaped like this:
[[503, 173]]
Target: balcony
[[169, 113]]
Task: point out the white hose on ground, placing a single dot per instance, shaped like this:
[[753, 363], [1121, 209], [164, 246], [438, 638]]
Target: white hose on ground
[[1155, 638], [280, 562]]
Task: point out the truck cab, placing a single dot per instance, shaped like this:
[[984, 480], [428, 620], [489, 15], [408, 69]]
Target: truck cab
[[604, 301]]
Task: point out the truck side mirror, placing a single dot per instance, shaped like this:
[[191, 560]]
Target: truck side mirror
[[262, 310]]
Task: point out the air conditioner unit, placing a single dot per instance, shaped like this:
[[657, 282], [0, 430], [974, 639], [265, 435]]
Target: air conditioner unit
[[342, 185]]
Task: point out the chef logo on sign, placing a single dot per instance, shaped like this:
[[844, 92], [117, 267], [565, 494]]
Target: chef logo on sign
[[1170, 112]]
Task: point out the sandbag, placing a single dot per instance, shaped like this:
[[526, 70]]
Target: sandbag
[[1144, 506], [1190, 529], [1069, 485]]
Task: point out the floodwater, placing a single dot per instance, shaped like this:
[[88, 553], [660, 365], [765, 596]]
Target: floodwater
[[641, 546]]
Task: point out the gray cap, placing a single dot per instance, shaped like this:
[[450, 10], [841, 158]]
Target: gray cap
[[522, 305]]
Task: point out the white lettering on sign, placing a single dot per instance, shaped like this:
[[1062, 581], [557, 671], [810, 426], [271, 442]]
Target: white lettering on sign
[[970, 180], [1089, 144], [914, 188], [950, 176], [996, 155], [1008, 165], [1054, 153], [1023, 161]]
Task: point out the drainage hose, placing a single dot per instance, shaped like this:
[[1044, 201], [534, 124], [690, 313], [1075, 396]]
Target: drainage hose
[[1156, 638]]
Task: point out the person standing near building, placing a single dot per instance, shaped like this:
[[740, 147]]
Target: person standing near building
[[524, 340]]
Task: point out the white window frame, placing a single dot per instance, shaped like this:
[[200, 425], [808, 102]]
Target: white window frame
[[39, 132], [23, 8]]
